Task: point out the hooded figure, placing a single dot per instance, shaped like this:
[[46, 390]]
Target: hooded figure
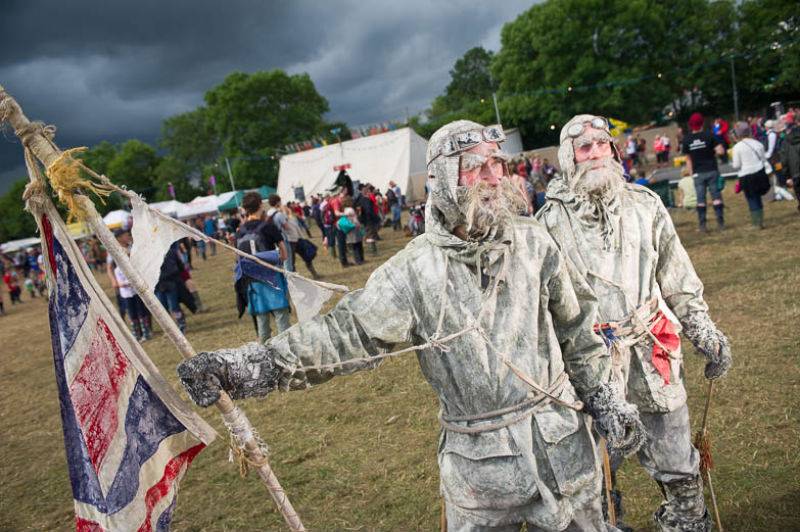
[[506, 344], [620, 240]]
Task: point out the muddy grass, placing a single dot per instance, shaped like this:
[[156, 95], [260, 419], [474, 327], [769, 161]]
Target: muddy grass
[[359, 453]]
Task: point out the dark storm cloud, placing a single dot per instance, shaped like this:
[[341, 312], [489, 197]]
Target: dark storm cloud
[[114, 70]]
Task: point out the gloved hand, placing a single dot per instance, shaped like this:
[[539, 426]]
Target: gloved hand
[[709, 342], [615, 420], [246, 371]]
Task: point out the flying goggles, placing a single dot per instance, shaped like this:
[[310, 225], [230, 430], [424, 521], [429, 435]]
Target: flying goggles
[[598, 122], [464, 140]]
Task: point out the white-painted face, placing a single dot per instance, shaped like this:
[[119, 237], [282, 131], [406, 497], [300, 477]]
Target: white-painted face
[[592, 144], [480, 163]]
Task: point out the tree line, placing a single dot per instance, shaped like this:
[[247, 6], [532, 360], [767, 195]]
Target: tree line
[[630, 59]]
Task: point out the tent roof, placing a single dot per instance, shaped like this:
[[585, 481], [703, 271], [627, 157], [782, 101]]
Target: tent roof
[[377, 159], [171, 207], [118, 218], [15, 245], [230, 200], [199, 206]]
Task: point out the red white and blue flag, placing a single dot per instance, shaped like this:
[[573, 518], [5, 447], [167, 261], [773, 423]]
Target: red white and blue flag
[[129, 437]]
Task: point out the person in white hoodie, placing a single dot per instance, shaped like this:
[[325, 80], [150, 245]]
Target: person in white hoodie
[[749, 158]]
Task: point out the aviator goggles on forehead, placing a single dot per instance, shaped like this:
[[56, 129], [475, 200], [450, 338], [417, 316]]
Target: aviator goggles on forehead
[[463, 141], [597, 122]]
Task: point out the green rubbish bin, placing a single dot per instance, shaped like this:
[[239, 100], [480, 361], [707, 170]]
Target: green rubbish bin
[[664, 192]]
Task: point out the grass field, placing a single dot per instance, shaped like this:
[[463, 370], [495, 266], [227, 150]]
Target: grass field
[[359, 453]]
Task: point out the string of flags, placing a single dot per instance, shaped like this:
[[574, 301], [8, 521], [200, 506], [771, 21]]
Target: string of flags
[[355, 133]]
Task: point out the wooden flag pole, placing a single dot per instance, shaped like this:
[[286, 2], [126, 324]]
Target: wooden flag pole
[[33, 137], [612, 512]]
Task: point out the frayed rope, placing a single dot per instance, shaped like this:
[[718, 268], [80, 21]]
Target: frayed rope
[[65, 178]]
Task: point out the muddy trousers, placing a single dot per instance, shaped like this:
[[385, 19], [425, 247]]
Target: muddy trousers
[[586, 519], [670, 458]]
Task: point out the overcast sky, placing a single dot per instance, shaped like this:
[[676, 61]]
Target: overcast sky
[[114, 70]]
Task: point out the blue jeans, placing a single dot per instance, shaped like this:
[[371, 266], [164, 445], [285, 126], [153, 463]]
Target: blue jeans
[[169, 298], [397, 210], [707, 180], [341, 245], [754, 202]]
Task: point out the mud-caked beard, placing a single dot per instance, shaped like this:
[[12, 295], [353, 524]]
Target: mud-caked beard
[[488, 208], [602, 182]]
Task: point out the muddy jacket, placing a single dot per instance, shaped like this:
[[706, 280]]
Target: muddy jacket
[[630, 255], [537, 467]]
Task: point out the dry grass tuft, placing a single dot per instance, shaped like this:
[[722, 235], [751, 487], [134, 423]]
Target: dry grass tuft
[[359, 453]]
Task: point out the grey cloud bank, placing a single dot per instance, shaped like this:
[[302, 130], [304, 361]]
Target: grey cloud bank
[[114, 71]]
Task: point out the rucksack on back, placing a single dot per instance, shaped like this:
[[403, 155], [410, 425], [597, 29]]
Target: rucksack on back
[[253, 240], [327, 214]]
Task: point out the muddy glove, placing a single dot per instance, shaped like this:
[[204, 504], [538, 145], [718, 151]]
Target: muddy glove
[[709, 342], [615, 420], [246, 371]]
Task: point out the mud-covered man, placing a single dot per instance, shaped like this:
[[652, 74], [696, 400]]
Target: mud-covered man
[[508, 349], [621, 241]]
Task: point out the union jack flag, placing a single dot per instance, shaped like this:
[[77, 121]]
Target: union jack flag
[[129, 438]]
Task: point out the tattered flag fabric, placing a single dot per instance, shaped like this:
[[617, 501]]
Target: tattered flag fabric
[[152, 237], [129, 437]]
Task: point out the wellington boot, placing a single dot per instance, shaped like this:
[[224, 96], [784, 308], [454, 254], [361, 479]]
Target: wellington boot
[[201, 309], [373, 249], [332, 251]]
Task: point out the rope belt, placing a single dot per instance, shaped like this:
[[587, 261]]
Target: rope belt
[[527, 408]]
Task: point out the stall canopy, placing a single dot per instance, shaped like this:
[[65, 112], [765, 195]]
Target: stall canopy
[[118, 219], [15, 245], [170, 208], [397, 156], [199, 206], [266, 191], [230, 200]]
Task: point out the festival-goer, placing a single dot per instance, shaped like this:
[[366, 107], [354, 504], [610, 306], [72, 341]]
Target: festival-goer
[[394, 199], [368, 217], [294, 233], [134, 307], [687, 195], [701, 149], [790, 154], [278, 217], [749, 158], [353, 234], [11, 278], [506, 344], [263, 300], [720, 130], [620, 239]]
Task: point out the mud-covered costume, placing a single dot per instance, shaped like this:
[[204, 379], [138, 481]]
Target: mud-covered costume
[[626, 248], [508, 454]]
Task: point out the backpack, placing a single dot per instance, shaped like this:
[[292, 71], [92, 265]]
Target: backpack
[[253, 241], [327, 216], [391, 197]]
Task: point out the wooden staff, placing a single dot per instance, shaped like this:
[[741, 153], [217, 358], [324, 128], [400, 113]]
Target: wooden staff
[[47, 152], [612, 512], [702, 442]]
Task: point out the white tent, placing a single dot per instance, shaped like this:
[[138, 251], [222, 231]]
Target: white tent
[[199, 206], [118, 219], [15, 245], [397, 156], [170, 208]]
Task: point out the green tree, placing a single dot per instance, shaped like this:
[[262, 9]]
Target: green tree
[[575, 53], [17, 222], [255, 114], [190, 140], [770, 68], [134, 166], [173, 171], [99, 157]]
